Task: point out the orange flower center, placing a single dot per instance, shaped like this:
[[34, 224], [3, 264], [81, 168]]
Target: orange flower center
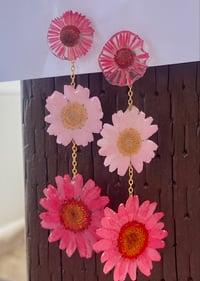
[[129, 142], [74, 115], [124, 58], [75, 215], [133, 238], [69, 35]]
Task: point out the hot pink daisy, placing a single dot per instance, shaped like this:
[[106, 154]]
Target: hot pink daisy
[[129, 238], [126, 141], [123, 59], [70, 36], [73, 116], [73, 213]]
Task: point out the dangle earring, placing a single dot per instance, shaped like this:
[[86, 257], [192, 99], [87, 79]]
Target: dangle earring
[[129, 238], [73, 209]]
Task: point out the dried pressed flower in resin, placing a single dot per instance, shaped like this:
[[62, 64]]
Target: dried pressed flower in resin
[[74, 211], [70, 36], [74, 115], [130, 238], [126, 141], [123, 59]]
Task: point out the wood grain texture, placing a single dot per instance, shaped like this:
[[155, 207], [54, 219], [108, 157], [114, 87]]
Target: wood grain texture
[[171, 95]]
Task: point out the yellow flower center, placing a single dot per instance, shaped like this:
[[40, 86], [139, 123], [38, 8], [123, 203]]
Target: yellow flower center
[[74, 115], [132, 240], [129, 142], [75, 215]]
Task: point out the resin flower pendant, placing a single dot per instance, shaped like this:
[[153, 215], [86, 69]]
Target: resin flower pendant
[[73, 115], [123, 59], [70, 36], [73, 209], [126, 141], [74, 212], [129, 239]]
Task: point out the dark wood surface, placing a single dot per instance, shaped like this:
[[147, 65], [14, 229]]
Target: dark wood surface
[[171, 95]]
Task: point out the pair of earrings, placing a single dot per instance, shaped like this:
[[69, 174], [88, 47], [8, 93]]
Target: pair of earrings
[[75, 211]]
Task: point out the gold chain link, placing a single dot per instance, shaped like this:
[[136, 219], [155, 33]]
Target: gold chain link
[[130, 181], [130, 98], [74, 158], [72, 76]]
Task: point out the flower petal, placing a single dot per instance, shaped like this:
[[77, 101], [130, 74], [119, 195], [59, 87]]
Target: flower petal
[[132, 269], [103, 245], [77, 184], [56, 234], [111, 263], [143, 265], [156, 243], [50, 220], [83, 247], [65, 239], [107, 234], [151, 222], [109, 223], [106, 255], [123, 269], [122, 214], [50, 204], [132, 205], [60, 185], [98, 203], [153, 254], [71, 246]]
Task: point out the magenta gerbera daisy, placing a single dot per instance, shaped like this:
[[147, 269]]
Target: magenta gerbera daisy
[[73, 116], [123, 59], [74, 211], [130, 238], [70, 36], [126, 141]]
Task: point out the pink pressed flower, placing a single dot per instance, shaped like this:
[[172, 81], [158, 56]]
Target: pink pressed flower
[[70, 36], [73, 116], [73, 213], [123, 59], [130, 238], [126, 142]]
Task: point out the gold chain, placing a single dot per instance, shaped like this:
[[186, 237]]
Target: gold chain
[[130, 181], [130, 169], [74, 158], [72, 76], [74, 146], [130, 98]]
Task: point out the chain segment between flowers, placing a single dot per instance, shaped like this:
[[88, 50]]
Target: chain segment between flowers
[[130, 97], [130, 181], [72, 76], [74, 159]]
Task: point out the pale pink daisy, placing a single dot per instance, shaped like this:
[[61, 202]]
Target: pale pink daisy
[[123, 59], [70, 36], [126, 141], [74, 115], [74, 211], [130, 238]]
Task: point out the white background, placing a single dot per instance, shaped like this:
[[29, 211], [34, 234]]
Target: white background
[[11, 157], [170, 28]]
